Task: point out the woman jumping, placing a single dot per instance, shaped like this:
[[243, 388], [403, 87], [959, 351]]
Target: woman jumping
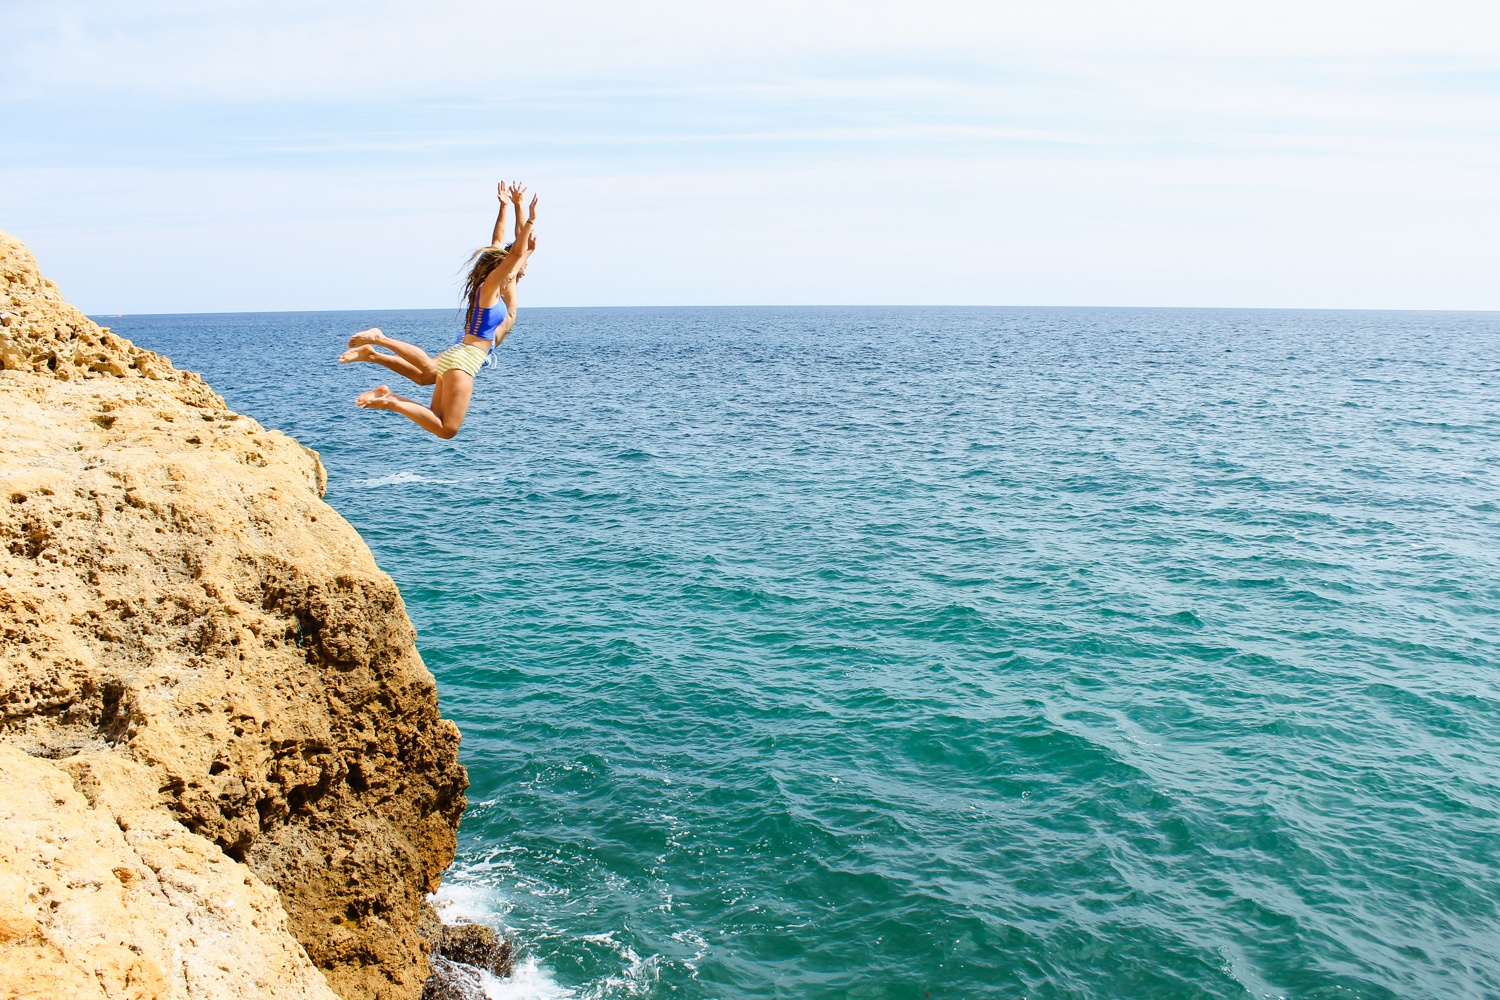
[[490, 293]]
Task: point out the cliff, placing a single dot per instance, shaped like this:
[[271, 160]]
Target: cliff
[[225, 771]]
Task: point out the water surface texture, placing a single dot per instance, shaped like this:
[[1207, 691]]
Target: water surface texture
[[956, 653]]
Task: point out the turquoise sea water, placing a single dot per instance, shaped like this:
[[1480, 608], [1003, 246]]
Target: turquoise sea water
[[906, 653]]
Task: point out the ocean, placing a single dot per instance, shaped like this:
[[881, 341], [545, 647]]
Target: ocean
[[945, 653]]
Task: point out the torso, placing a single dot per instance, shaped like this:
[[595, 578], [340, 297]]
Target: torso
[[485, 321], [493, 321], [486, 325]]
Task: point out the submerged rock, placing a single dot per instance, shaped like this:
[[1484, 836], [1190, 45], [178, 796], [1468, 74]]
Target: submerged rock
[[205, 662], [453, 981]]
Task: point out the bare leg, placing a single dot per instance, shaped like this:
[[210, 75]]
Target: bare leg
[[383, 398], [410, 353], [450, 403], [422, 376]]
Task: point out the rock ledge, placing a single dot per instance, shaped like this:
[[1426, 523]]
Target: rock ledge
[[228, 775]]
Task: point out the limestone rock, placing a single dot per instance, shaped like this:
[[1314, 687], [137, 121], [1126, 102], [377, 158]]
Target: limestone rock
[[176, 597], [42, 333], [116, 900]]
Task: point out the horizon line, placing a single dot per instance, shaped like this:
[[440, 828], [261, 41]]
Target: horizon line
[[96, 316]]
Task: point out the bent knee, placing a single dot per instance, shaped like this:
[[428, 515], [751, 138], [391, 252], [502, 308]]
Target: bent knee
[[448, 433]]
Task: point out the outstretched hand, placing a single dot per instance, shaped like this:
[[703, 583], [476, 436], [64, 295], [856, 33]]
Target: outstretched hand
[[517, 189], [531, 212], [500, 191]]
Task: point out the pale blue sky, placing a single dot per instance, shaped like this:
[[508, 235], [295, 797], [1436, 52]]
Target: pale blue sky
[[246, 156]]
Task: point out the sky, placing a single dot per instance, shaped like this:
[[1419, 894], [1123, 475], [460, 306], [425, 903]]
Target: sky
[[237, 156]]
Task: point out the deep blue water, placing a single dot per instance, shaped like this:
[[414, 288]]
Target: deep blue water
[[947, 652]]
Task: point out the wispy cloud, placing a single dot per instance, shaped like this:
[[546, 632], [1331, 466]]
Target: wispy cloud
[[1270, 153]]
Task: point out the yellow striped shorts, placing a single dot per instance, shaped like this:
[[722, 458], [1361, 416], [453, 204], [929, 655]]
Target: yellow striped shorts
[[460, 357]]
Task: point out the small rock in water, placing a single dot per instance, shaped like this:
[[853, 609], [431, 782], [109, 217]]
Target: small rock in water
[[476, 945], [458, 953]]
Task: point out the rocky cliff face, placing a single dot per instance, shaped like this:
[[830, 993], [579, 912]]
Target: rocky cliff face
[[209, 693]]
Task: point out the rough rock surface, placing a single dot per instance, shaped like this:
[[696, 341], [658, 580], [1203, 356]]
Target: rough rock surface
[[180, 613], [111, 897]]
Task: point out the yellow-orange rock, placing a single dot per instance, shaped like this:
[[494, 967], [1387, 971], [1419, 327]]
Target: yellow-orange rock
[[210, 656], [115, 899]]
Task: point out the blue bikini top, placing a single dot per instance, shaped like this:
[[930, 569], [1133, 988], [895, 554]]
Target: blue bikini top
[[486, 321], [483, 325]]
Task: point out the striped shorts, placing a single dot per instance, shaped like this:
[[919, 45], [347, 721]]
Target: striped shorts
[[460, 357]]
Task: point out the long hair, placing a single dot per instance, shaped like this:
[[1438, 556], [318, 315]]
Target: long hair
[[481, 263]]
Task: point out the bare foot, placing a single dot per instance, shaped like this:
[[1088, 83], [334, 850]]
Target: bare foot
[[370, 336], [362, 353], [379, 398]]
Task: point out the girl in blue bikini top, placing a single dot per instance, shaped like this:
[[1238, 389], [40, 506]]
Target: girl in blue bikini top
[[490, 294]]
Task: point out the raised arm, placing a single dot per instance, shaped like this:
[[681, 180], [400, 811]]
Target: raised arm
[[520, 248], [525, 240], [517, 190], [501, 283], [508, 289], [498, 237]]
